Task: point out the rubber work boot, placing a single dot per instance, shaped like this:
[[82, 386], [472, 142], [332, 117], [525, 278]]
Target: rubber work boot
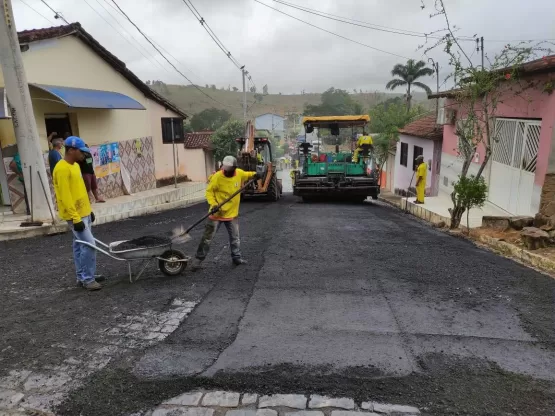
[[97, 277], [239, 262], [196, 264], [93, 286]]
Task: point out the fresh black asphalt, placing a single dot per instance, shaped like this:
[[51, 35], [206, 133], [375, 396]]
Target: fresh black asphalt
[[352, 300]]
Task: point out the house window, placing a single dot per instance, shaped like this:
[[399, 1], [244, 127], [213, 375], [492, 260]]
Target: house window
[[404, 154], [174, 135], [418, 151]]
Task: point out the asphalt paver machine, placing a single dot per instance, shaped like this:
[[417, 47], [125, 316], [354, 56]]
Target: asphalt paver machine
[[334, 175]]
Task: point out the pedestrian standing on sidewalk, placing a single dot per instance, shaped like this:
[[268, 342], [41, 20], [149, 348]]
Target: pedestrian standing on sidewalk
[[421, 173], [223, 184], [89, 176], [55, 155], [15, 166], [75, 208]]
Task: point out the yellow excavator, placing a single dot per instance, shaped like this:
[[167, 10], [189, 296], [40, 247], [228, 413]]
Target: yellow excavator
[[255, 155]]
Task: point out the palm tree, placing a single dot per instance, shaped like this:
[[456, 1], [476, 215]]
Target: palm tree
[[408, 74]]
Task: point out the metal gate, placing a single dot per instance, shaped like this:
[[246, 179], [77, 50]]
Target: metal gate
[[513, 167]]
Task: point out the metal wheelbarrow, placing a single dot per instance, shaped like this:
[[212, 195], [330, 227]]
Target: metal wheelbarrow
[[171, 262]]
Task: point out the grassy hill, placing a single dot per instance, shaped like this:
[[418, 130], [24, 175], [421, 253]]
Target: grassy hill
[[192, 101]]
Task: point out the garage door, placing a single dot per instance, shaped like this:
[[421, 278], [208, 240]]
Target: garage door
[[513, 166]]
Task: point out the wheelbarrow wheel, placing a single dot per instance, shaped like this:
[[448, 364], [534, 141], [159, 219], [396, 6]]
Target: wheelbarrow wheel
[[170, 265]]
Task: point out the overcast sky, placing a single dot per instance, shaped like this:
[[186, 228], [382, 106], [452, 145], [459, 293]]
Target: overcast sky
[[286, 54]]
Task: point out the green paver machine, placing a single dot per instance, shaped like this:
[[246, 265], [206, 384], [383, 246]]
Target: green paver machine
[[335, 174]]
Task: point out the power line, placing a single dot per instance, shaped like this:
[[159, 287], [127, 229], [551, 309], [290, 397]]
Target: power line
[[156, 43], [332, 33], [164, 56], [209, 30], [154, 62], [391, 29], [37, 12], [56, 14], [362, 23]]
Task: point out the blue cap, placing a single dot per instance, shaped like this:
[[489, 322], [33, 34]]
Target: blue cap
[[77, 143]]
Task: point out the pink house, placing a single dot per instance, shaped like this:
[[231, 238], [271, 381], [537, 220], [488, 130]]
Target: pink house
[[522, 164]]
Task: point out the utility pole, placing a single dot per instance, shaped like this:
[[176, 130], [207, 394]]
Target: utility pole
[[437, 89], [482, 48], [23, 118], [244, 72]]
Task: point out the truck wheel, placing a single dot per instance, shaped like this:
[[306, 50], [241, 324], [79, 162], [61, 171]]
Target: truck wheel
[[273, 191]]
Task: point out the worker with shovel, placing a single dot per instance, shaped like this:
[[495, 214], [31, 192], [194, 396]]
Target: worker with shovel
[[223, 184]]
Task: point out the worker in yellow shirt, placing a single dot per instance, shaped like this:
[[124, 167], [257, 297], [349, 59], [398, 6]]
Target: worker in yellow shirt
[[222, 185], [364, 142], [75, 208], [421, 174]]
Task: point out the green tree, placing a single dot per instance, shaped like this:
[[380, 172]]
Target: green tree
[[235, 89], [408, 75], [470, 192], [386, 119], [334, 102], [223, 139], [209, 119], [265, 89]]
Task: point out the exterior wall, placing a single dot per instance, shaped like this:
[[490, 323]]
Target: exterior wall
[[87, 70], [403, 175], [270, 122], [163, 152], [196, 166], [130, 128], [532, 104]]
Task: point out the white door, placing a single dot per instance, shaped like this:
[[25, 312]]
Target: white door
[[513, 165]]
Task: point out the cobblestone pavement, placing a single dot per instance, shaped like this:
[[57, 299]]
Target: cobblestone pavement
[[344, 301]]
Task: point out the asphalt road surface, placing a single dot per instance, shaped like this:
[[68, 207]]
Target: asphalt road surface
[[352, 300]]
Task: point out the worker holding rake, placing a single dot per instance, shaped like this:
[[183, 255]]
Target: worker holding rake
[[223, 184]]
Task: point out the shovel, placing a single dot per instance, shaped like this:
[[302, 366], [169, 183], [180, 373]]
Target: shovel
[[181, 235]]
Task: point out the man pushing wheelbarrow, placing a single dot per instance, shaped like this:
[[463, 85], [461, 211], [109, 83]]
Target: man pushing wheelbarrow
[[223, 185]]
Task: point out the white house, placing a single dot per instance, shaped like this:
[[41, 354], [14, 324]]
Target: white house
[[272, 122], [421, 137]]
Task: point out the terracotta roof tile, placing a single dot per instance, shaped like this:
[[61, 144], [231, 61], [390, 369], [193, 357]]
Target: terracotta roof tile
[[199, 140], [75, 29], [425, 128]]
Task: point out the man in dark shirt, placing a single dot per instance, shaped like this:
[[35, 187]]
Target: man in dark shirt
[[55, 155], [87, 170]]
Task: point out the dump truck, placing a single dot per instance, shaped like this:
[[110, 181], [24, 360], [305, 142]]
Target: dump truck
[[255, 155], [334, 175]]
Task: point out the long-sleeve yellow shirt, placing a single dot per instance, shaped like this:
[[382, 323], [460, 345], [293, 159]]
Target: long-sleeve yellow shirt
[[71, 194], [220, 188]]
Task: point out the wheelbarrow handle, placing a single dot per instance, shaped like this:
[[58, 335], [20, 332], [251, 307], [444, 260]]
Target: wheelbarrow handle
[[211, 212]]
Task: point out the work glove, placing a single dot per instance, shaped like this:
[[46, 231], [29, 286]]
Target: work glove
[[79, 226], [257, 176], [93, 217], [214, 209]]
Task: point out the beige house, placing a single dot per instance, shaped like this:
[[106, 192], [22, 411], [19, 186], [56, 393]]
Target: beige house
[[78, 87], [200, 156]]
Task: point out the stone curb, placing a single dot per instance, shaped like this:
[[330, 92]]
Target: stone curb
[[211, 403], [63, 228], [525, 256], [510, 250]]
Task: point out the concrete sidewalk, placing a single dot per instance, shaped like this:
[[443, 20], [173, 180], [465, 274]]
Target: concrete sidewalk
[[436, 209], [116, 209]]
